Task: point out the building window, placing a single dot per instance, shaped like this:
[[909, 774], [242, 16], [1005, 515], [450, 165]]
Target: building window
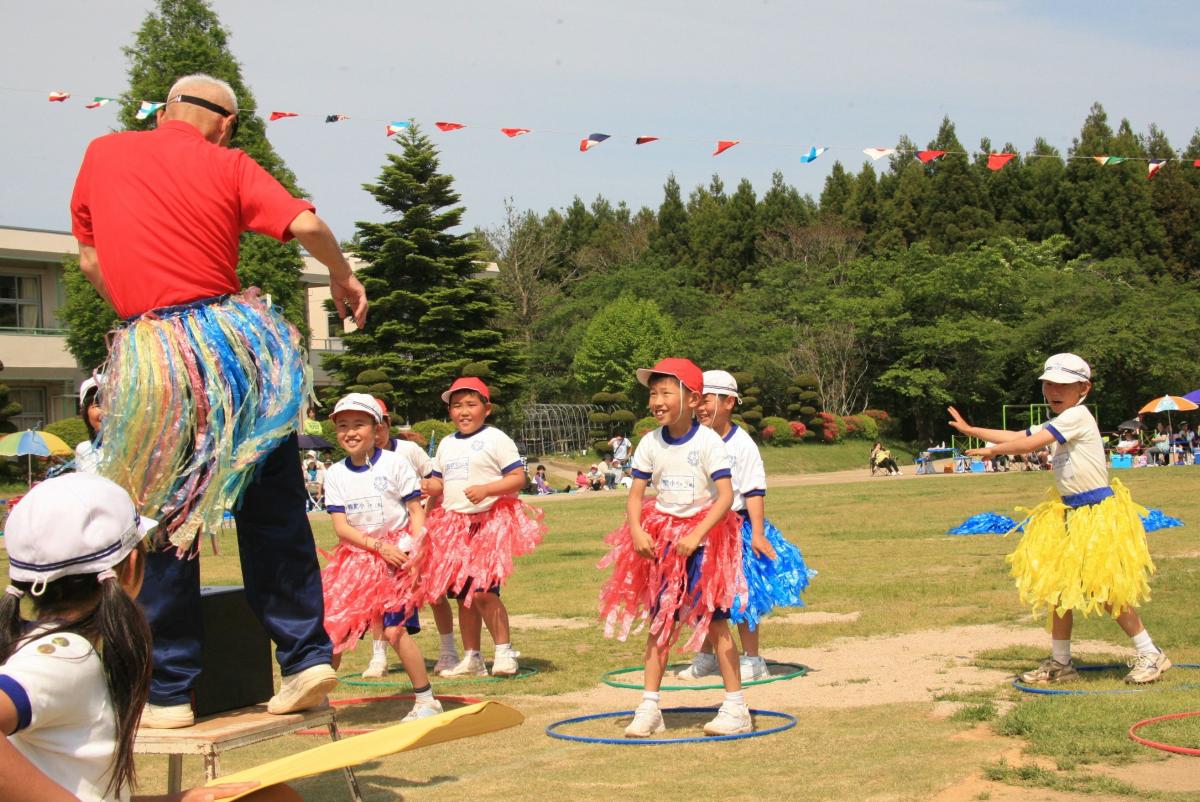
[[33, 407], [20, 302]]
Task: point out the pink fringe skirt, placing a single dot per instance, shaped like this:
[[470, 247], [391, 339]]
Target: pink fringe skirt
[[359, 587], [642, 589]]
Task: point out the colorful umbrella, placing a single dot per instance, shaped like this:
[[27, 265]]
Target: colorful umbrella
[[1169, 403], [1193, 396], [33, 444]]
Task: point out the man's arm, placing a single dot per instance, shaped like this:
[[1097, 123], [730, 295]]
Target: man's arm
[[89, 264], [312, 232]]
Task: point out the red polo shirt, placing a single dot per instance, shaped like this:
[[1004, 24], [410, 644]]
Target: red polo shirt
[[164, 210]]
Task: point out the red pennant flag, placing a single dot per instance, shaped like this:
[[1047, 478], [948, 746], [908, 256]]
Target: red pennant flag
[[997, 161], [514, 132], [1196, 163], [642, 140], [724, 145], [926, 156], [279, 115], [1154, 166], [444, 126], [58, 97]]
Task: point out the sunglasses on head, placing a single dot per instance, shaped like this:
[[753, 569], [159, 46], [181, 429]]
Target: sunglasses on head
[[208, 104]]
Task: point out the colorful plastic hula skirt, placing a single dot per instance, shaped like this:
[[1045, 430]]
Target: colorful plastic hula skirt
[[1085, 553], [656, 590], [194, 397], [769, 583], [359, 587], [475, 550]]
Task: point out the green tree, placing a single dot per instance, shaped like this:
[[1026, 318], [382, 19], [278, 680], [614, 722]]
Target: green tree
[[432, 319], [89, 319], [957, 208], [625, 335], [839, 184], [669, 242]]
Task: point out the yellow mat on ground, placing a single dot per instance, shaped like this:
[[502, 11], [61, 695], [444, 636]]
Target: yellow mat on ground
[[466, 722]]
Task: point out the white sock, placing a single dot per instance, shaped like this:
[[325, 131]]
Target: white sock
[[449, 645], [503, 648], [379, 648], [424, 694], [1143, 644], [1060, 650], [471, 653], [650, 696], [735, 698]]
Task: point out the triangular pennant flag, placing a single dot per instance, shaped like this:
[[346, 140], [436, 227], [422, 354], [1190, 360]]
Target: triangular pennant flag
[[58, 97], [1154, 166], [592, 141], [444, 126], [811, 156], [1196, 163], [724, 145], [146, 108], [878, 153], [279, 115], [926, 156], [97, 102], [642, 140], [335, 118], [396, 126], [996, 161], [514, 132], [1107, 160]]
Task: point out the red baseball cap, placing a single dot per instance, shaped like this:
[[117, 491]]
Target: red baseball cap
[[683, 369], [467, 383], [382, 407]]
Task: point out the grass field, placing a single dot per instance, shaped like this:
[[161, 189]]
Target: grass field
[[912, 638]]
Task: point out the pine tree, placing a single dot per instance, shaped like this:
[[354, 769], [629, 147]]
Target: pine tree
[[1175, 198], [432, 319], [838, 186], [958, 207], [669, 242]]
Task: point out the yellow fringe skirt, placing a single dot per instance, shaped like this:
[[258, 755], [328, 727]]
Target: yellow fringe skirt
[[1091, 559]]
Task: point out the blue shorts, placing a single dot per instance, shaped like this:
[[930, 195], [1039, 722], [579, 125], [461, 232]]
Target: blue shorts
[[412, 624], [694, 565]]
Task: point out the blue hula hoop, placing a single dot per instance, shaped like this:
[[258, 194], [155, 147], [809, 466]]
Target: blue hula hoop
[[789, 721], [1020, 686]]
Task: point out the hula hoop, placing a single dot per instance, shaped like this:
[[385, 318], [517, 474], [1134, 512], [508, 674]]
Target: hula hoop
[[789, 721], [1042, 691], [523, 672], [466, 700], [799, 670], [1179, 750]]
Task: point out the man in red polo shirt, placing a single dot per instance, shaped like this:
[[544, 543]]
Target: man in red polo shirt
[[204, 384]]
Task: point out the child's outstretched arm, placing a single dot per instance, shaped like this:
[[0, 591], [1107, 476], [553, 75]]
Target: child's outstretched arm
[[1023, 444], [715, 513], [991, 435], [507, 485]]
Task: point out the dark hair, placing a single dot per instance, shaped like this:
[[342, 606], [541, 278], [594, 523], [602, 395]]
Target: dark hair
[[90, 399], [117, 628], [482, 398], [657, 377], [541, 467]]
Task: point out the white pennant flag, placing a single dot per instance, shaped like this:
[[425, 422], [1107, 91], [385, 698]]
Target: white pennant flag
[[878, 153]]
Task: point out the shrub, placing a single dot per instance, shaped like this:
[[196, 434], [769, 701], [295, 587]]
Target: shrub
[[755, 392], [645, 425], [749, 401], [480, 370], [799, 430], [70, 430], [437, 429], [623, 418], [808, 396], [794, 391], [807, 411], [602, 449], [752, 416], [743, 378], [781, 432], [371, 377], [767, 434], [602, 399], [619, 398], [864, 427], [833, 428], [794, 409], [598, 418], [884, 421]]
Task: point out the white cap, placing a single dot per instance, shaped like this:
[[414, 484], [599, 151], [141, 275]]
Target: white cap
[[89, 384], [358, 402], [720, 382], [1066, 369], [79, 523]]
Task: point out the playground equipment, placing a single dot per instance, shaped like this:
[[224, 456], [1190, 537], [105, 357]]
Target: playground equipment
[[555, 429]]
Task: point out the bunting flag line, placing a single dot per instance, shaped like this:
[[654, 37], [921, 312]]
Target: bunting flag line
[[97, 102], [1153, 166], [514, 132], [1105, 161], [592, 141], [811, 156], [724, 145], [335, 118], [645, 140], [58, 97], [146, 108], [279, 115], [445, 126], [996, 161], [926, 156], [878, 153], [397, 126]]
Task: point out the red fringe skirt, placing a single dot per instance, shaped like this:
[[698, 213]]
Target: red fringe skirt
[[642, 589], [359, 587]]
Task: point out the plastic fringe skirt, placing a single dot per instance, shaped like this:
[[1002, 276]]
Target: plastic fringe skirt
[[1090, 559], [985, 523], [769, 583], [193, 398], [656, 590], [474, 548], [359, 587]]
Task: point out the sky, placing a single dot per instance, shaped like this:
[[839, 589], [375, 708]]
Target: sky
[[779, 76]]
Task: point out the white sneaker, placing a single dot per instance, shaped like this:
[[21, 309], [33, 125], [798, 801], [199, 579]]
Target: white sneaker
[[445, 662], [730, 720], [752, 668], [703, 665], [423, 710], [303, 690], [378, 667], [470, 666], [505, 665], [167, 717], [647, 721]]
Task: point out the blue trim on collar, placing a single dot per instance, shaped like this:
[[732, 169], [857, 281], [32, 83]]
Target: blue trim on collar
[[20, 700], [370, 462], [1057, 434], [688, 435], [733, 427], [436, 474], [461, 436], [1087, 497]]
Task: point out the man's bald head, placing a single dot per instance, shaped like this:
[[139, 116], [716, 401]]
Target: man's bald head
[[210, 123]]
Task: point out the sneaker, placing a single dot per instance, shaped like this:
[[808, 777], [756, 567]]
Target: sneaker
[[445, 662], [1050, 671], [703, 665], [470, 666], [423, 710], [647, 721], [505, 665], [753, 668], [1147, 667], [378, 667], [303, 690], [167, 717], [730, 720]]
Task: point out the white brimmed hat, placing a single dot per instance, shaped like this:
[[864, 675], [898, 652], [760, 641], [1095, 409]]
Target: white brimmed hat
[[720, 382], [1066, 369], [358, 402], [89, 384], [79, 523]]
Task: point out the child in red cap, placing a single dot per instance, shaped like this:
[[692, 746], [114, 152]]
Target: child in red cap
[[678, 557], [472, 538]]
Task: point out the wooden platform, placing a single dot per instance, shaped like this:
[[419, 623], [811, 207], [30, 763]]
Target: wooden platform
[[211, 736]]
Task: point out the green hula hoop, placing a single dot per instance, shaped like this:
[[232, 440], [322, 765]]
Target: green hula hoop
[[355, 680], [799, 670]]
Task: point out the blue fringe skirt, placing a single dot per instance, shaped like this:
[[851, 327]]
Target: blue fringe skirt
[[770, 583]]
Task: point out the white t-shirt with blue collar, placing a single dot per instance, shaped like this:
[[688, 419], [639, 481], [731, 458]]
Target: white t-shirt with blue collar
[[373, 496], [749, 475], [1078, 460], [684, 471], [464, 460]]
